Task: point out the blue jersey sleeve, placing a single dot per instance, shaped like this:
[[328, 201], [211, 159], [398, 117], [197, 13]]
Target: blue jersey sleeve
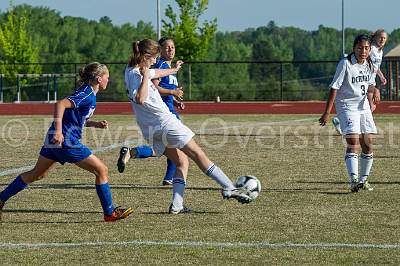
[[81, 98]]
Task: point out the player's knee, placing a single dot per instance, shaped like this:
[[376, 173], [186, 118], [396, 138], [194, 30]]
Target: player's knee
[[103, 170], [182, 163]]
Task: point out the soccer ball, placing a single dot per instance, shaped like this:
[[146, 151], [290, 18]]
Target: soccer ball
[[250, 184]]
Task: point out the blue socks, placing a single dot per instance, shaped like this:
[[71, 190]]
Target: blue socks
[[143, 152], [13, 188], [104, 193], [171, 169]]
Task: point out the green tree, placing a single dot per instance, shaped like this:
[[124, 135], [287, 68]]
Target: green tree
[[16, 47], [191, 40]]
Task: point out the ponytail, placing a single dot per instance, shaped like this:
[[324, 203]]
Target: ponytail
[[140, 49], [91, 71]]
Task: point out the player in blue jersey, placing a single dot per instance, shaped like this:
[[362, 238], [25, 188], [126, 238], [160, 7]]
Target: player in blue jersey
[[62, 142], [171, 94]]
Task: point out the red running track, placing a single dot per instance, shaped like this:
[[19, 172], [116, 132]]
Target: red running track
[[197, 108]]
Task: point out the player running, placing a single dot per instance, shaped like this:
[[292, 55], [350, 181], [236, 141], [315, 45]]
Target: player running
[[62, 143], [352, 91]]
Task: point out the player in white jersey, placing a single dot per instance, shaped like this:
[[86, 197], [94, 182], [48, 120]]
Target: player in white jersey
[[163, 130], [352, 92], [379, 39]]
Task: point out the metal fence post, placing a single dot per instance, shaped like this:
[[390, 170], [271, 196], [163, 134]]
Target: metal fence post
[[281, 79], [55, 87], [190, 81], [48, 88], [18, 89], [1, 88]]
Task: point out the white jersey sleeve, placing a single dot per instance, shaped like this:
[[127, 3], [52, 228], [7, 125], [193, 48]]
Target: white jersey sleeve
[[339, 75], [133, 79]]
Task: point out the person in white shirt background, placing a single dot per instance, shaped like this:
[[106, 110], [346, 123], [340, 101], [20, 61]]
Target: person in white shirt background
[[352, 92]]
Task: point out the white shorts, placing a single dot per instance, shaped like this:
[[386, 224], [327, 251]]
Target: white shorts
[[357, 123], [174, 135]]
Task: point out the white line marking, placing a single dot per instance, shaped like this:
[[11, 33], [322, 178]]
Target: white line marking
[[101, 149], [264, 245]]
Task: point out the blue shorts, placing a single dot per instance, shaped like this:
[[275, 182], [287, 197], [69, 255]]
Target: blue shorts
[[66, 155]]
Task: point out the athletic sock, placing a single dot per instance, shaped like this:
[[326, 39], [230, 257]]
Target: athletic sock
[[13, 188], [143, 152], [351, 160], [178, 190], [171, 169], [219, 176], [104, 193], [366, 162]]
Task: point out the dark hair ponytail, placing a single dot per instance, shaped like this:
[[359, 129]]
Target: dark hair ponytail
[[140, 49]]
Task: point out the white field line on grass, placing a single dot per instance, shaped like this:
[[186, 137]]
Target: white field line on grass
[[263, 245], [101, 149], [117, 145]]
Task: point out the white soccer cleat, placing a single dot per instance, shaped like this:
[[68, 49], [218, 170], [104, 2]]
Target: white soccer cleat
[[237, 194]]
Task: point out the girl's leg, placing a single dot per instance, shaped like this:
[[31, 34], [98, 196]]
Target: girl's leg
[[229, 190], [21, 182], [100, 170], [179, 180], [169, 173], [351, 160], [195, 153], [366, 160]]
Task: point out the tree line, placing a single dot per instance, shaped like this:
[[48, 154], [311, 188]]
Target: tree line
[[260, 58]]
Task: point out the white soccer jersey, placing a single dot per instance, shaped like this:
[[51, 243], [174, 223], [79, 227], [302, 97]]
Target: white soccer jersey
[[153, 114], [376, 56], [351, 81]]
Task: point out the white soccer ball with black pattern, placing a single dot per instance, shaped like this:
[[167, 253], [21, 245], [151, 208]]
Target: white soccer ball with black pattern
[[250, 184]]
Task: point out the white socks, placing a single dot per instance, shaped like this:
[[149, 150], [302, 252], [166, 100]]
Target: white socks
[[366, 165], [219, 176], [178, 190], [351, 160], [366, 161]]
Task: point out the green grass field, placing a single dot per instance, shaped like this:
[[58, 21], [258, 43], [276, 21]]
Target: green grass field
[[304, 215]]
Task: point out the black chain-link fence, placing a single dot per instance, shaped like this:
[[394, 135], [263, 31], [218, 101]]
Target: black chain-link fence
[[202, 81]]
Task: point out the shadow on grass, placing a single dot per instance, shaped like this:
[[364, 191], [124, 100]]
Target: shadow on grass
[[183, 214], [386, 156], [43, 211], [113, 186], [49, 211], [345, 183], [337, 192]]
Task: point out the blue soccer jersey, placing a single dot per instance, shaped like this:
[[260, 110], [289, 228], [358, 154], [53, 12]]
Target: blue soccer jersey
[[74, 119], [169, 82]]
